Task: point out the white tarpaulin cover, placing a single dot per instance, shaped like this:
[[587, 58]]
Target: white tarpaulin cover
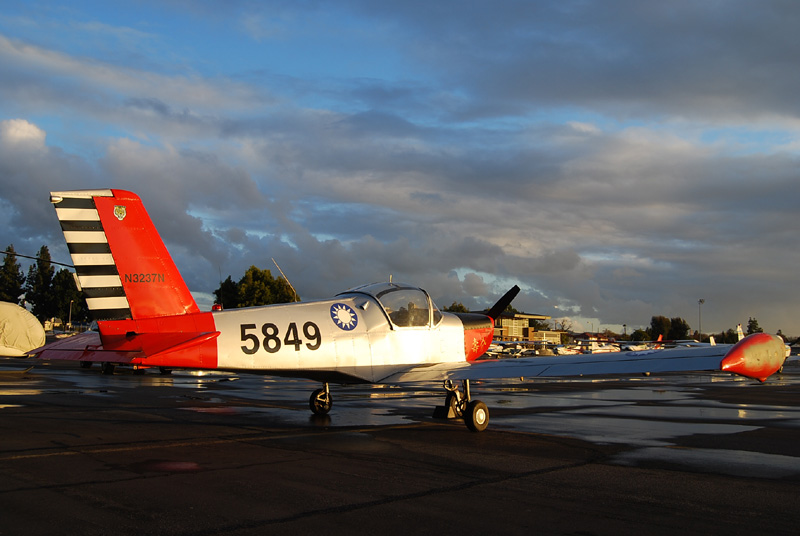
[[20, 331]]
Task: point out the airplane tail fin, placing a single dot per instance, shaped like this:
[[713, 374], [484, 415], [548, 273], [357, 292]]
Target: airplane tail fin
[[120, 260], [739, 332], [659, 341]]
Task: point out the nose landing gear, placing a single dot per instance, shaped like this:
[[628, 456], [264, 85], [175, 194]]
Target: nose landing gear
[[458, 405], [321, 400]]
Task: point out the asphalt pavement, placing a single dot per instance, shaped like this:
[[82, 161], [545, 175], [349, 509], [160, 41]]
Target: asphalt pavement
[[195, 454]]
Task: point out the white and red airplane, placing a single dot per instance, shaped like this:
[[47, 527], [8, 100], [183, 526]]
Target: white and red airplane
[[379, 333]]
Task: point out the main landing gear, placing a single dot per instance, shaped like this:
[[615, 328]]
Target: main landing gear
[[460, 405], [457, 405], [321, 400]]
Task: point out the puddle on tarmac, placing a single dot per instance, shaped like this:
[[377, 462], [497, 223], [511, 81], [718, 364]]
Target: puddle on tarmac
[[20, 392], [726, 462], [339, 416], [695, 412], [127, 379], [608, 430]]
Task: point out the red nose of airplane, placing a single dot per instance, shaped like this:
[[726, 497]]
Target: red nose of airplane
[[479, 328], [756, 356], [478, 333]]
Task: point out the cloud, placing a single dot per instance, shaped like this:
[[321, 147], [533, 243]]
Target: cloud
[[21, 134], [617, 160], [29, 170]]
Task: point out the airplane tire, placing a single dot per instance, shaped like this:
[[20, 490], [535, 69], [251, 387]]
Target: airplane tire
[[477, 416], [108, 368], [320, 402], [86, 364]]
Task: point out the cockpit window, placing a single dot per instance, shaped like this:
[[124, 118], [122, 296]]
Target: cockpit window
[[406, 306]]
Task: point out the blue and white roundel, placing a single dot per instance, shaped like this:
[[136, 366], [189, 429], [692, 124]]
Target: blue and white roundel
[[344, 316]]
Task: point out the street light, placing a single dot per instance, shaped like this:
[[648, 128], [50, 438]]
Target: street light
[[700, 303], [69, 323]]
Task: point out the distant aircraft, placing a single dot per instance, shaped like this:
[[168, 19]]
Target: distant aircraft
[[382, 333]]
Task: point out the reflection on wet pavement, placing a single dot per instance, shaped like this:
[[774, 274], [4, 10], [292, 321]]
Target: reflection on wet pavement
[[606, 430], [719, 461], [649, 415]]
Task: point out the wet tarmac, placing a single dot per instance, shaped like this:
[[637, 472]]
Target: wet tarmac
[[186, 453]]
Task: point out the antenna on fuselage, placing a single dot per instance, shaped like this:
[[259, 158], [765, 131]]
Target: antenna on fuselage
[[286, 278]]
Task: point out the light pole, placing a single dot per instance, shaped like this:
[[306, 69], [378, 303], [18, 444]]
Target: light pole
[[700, 303], [69, 323]]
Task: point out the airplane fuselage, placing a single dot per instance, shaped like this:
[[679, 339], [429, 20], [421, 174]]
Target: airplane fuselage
[[350, 335]]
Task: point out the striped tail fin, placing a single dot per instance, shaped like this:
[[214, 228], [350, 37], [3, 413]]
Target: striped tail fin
[[120, 260]]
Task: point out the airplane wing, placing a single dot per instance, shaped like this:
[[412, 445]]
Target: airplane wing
[[754, 357], [88, 346], [82, 347]]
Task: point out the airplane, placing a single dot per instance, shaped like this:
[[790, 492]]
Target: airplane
[[380, 333]]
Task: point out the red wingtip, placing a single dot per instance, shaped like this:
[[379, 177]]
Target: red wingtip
[[757, 356]]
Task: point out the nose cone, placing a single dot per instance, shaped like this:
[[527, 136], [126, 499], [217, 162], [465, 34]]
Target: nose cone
[[756, 356], [478, 334]]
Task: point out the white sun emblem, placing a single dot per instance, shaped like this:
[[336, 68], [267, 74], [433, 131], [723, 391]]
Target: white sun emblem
[[344, 316]]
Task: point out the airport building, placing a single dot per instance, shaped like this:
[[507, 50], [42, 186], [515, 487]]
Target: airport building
[[517, 327]]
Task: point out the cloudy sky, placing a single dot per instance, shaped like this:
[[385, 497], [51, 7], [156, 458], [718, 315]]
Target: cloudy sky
[[616, 159]]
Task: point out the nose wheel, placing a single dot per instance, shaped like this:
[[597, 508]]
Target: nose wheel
[[321, 400], [460, 405], [477, 416]]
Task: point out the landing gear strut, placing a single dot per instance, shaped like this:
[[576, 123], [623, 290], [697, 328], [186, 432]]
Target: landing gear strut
[[460, 405], [321, 400]]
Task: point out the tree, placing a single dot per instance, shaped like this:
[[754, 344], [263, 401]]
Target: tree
[[563, 324], [456, 307], [727, 337], [640, 335], [38, 286], [539, 325], [659, 325], [227, 295], [66, 296], [753, 327], [12, 280], [678, 329], [258, 287]]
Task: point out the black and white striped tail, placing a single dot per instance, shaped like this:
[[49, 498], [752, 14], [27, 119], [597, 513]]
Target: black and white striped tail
[[91, 254]]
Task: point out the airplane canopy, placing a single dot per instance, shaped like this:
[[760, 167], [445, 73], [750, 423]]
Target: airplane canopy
[[405, 305]]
